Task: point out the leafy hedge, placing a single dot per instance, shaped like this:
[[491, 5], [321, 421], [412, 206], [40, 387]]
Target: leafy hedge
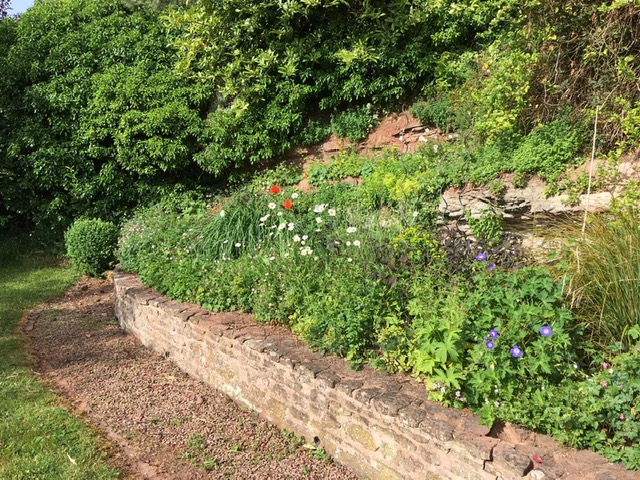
[[93, 118]]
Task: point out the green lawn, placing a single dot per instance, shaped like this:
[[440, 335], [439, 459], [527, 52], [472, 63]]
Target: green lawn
[[39, 439]]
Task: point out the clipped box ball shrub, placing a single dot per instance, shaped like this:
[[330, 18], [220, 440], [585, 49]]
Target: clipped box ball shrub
[[90, 245]]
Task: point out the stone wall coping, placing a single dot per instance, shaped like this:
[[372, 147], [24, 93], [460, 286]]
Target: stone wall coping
[[435, 441]]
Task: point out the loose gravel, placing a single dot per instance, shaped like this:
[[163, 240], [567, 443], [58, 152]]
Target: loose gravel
[[160, 423]]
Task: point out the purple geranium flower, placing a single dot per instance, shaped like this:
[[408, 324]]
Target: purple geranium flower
[[491, 267], [489, 345], [516, 351], [481, 256], [546, 331], [493, 333]]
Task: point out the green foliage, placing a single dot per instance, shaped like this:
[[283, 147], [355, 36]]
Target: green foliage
[[353, 124], [276, 64], [438, 111], [604, 279], [90, 245], [94, 119], [487, 227], [410, 181], [548, 150]]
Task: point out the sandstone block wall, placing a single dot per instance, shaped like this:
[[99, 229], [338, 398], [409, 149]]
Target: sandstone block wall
[[379, 425]]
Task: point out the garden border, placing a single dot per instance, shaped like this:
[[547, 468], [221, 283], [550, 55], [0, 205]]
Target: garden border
[[378, 425]]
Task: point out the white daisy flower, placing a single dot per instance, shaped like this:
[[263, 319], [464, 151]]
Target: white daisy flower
[[271, 205], [332, 212], [222, 213]]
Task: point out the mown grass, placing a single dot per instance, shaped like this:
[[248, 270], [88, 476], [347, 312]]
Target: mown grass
[[39, 438]]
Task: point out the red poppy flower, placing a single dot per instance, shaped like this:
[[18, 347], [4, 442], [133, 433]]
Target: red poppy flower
[[274, 189], [287, 204]]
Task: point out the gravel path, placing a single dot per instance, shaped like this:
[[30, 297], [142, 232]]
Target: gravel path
[[162, 423]]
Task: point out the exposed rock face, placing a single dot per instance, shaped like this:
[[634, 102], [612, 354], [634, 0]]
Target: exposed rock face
[[517, 202]]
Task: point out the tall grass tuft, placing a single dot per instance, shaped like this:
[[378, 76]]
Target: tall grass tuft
[[604, 279]]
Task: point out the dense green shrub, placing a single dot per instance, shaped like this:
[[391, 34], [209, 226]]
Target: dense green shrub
[[548, 150], [93, 117], [353, 124], [91, 245]]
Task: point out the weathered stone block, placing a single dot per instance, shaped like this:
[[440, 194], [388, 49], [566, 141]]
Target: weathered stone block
[[509, 462]]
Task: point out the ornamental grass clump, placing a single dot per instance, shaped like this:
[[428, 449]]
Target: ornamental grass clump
[[604, 279]]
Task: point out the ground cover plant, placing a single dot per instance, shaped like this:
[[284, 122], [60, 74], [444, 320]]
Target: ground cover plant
[[364, 272], [39, 438]]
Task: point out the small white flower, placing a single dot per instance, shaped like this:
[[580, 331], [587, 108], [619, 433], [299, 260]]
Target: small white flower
[[319, 208], [296, 238], [271, 205], [356, 243], [294, 195], [286, 255], [318, 220], [575, 365], [304, 237], [302, 242], [332, 212], [280, 214], [264, 219], [349, 259], [415, 214], [238, 245], [222, 213], [496, 403], [282, 226], [272, 258], [226, 241], [443, 389], [351, 229], [348, 244], [290, 226]]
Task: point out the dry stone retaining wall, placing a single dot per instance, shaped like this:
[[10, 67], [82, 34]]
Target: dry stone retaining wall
[[380, 426]]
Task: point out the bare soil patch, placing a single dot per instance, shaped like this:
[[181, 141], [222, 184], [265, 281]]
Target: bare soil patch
[[161, 423]]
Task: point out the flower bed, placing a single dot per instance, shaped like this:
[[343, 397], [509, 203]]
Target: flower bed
[[365, 274]]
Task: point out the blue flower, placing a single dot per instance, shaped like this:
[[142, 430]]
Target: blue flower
[[493, 333], [491, 267], [546, 331], [516, 351], [489, 345], [481, 256]]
